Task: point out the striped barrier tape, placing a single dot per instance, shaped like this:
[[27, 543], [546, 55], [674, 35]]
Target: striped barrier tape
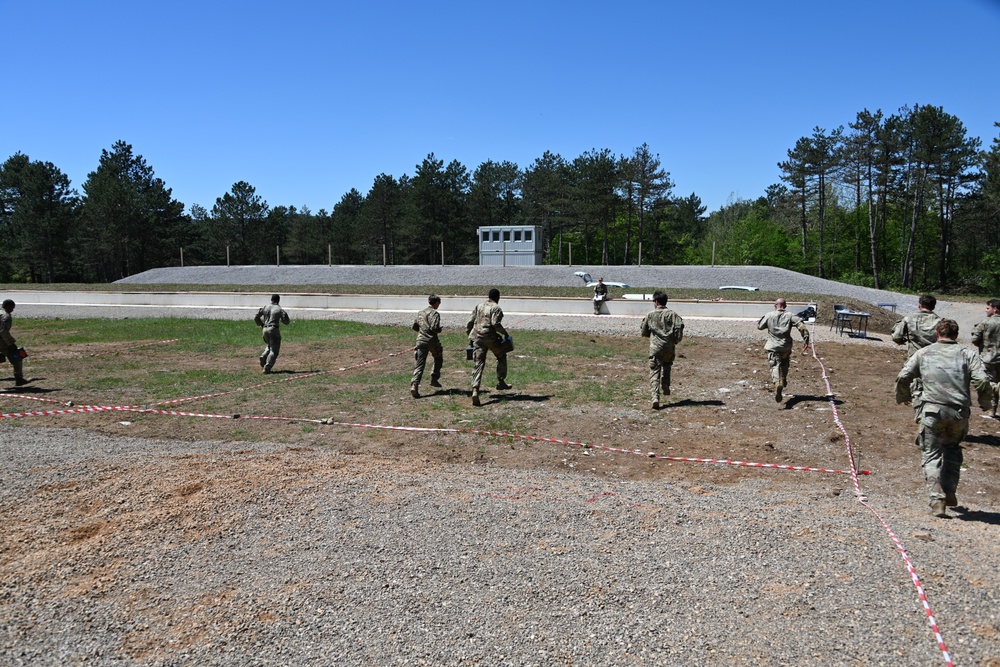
[[863, 501], [585, 445], [419, 429]]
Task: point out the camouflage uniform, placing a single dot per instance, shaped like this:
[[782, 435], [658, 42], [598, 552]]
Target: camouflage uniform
[[485, 331], [779, 325], [947, 369], [600, 290], [8, 346], [986, 337], [271, 317], [428, 326], [664, 328], [916, 330]]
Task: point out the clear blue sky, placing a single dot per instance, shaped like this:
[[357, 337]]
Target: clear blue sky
[[305, 100]]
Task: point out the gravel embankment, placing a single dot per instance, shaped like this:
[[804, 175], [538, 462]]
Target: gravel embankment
[[700, 277]]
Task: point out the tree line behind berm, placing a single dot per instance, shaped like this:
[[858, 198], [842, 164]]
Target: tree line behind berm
[[905, 201]]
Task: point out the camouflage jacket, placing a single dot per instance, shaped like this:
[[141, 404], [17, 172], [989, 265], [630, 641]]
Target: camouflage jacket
[[986, 337], [270, 316], [427, 325], [917, 329], [946, 369], [663, 327], [6, 340], [485, 321], [779, 325]]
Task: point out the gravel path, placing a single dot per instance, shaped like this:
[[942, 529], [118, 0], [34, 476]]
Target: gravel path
[[357, 561]]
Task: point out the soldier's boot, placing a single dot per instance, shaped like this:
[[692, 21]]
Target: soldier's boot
[[950, 499], [501, 385], [475, 398], [937, 509], [777, 392], [414, 391], [435, 383]]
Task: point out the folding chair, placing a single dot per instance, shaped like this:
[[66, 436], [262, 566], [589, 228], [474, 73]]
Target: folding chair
[[841, 320]]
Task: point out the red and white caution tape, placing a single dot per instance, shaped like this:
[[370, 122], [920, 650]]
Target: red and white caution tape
[[585, 445], [863, 500]]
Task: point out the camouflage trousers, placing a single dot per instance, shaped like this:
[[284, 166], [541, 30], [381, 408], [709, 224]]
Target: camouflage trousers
[[779, 361], [420, 361], [993, 372], [17, 362], [942, 429], [272, 336], [480, 347], [661, 361]]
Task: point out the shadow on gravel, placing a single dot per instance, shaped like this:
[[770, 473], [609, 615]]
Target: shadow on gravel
[[687, 402], [794, 400], [991, 518], [874, 339], [991, 440]]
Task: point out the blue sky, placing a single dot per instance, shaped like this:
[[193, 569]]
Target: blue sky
[[305, 100]]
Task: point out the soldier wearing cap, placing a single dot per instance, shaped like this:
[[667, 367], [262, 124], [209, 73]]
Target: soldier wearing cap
[[664, 328], [600, 295]]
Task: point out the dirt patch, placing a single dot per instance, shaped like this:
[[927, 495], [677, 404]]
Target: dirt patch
[[588, 391]]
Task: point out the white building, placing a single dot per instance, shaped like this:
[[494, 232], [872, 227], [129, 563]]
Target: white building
[[514, 245]]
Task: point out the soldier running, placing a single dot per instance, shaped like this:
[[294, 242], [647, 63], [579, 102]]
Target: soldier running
[[485, 331], [428, 326], [779, 323], [664, 328]]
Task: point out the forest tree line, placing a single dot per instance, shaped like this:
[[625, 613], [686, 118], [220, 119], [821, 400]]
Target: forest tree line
[[906, 200]]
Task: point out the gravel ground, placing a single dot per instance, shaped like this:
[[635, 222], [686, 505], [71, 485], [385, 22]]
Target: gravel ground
[[186, 558], [350, 560]]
